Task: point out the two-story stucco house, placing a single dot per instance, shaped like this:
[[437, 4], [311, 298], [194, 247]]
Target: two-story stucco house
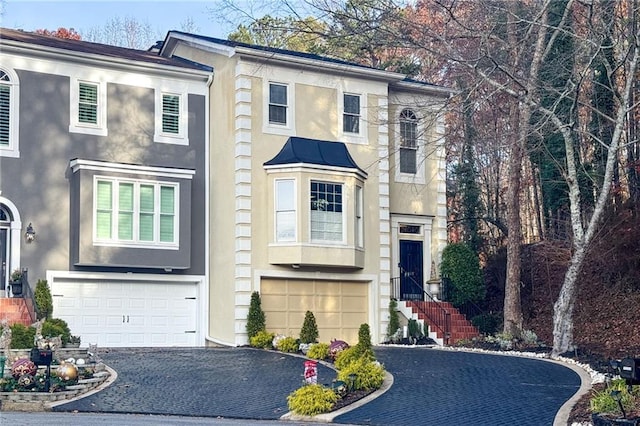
[[103, 165], [327, 182]]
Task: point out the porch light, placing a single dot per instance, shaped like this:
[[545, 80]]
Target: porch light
[[30, 234]]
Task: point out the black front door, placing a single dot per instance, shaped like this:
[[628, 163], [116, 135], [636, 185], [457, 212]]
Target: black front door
[[3, 258], [411, 285]]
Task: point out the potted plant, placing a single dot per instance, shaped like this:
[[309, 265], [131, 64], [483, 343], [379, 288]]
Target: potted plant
[[16, 282], [74, 342]]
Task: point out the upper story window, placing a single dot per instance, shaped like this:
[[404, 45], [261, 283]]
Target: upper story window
[[130, 212], [326, 212], [88, 108], [171, 119], [408, 141], [351, 115], [278, 104], [8, 114], [285, 203]]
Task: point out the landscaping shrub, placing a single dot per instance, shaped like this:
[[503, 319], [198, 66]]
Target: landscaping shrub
[[318, 351], [288, 344], [414, 329], [394, 320], [364, 347], [346, 357], [54, 327], [604, 402], [461, 267], [263, 339], [256, 319], [309, 331], [368, 374], [489, 323], [310, 400], [43, 300], [22, 337]]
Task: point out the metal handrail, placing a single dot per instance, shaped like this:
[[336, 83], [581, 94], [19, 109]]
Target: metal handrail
[[444, 314]]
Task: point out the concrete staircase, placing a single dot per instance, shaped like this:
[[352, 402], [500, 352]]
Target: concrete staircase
[[432, 314], [17, 310]]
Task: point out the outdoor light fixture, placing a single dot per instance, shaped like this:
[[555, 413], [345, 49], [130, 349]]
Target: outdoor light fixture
[[30, 235]]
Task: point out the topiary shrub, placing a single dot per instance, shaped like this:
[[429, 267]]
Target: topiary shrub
[[310, 400], [363, 347], [309, 331], [22, 337], [263, 339], [414, 329], [461, 267], [318, 351], [288, 344], [394, 320], [368, 374], [256, 319], [56, 327], [43, 300]]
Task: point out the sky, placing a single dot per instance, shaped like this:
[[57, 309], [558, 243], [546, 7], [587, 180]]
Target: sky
[[162, 15]]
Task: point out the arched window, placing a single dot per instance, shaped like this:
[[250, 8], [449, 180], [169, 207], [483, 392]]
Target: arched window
[[8, 114], [408, 141]]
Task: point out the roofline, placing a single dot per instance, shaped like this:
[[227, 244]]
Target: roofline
[[19, 47], [417, 86], [322, 167], [282, 57]]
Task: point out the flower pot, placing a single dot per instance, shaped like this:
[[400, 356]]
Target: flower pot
[[16, 288]]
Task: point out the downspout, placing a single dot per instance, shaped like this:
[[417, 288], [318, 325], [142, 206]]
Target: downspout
[[207, 214]]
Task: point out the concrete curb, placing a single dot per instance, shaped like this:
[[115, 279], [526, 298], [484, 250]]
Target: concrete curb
[[113, 375]]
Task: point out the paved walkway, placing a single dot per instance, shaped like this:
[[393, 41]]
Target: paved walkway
[[431, 387]]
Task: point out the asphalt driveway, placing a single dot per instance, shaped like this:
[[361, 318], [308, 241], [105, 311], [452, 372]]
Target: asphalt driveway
[[431, 387]]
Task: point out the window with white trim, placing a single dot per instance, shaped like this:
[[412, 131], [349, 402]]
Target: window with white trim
[[351, 115], [408, 141], [278, 104], [359, 226], [285, 204], [88, 108], [326, 212], [171, 121], [130, 212], [8, 114]]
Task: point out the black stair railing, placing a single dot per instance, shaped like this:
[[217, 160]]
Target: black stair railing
[[438, 317]]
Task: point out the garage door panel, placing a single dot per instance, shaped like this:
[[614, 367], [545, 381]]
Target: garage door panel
[[128, 313]]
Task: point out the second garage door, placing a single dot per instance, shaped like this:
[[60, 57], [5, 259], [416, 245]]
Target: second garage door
[[338, 306], [129, 314]]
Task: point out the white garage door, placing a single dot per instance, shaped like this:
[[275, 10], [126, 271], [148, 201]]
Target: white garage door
[[129, 314]]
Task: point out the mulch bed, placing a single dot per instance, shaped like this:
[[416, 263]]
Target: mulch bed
[[351, 397]]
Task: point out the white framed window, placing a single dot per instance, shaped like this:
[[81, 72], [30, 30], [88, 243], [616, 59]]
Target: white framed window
[[285, 206], [327, 218], [88, 107], [279, 108], [171, 118], [359, 225], [351, 114], [9, 113], [278, 104], [408, 141], [139, 213]]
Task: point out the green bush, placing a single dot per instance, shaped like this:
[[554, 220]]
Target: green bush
[[263, 339], [318, 351], [604, 402], [310, 400], [309, 331], [56, 327], [394, 320], [288, 344], [489, 323], [368, 374], [414, 329], [461, 266], [256, 319], [346, 357], [22, 337], [43, 300], [363, 347]]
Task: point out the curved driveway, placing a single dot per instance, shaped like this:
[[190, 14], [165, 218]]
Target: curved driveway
[[431, 387]]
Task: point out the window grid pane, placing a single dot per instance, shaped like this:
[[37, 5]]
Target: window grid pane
[[88, 103], [103, 209], [285, 211], [147, 207], [326, 211], [125, 211], [351, 116], [5, 113], [408, 160], [277, 104], [167, 218], [171, 114]]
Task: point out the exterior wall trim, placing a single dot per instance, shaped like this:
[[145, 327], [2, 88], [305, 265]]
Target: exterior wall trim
[[167, 172]]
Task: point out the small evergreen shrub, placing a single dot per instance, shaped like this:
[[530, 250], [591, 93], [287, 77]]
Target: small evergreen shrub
[[256, 319], [461, 267], [54, 327], [309, 331], [394, 320], [346, 357], [318, 351], [368, 374], [489, 323], [22, 337], [414, 329], [263, 339], [43, 300], [364, 347], [288, 344], [310, 400]]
